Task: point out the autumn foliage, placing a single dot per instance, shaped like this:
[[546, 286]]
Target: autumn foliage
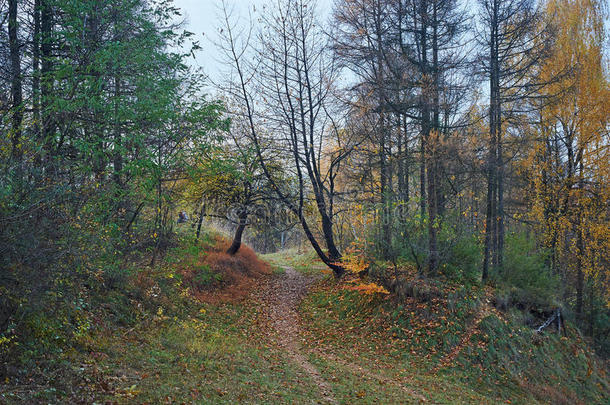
[[217, 276], [357, 264]]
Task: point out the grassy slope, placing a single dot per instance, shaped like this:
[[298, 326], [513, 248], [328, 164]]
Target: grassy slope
[[153, 341], [210, 357], [454, 348], [369, 350]]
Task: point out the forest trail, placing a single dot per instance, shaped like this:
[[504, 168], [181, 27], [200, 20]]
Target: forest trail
[[280, 298]]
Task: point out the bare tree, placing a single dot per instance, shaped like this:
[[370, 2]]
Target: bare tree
[[291, 75]]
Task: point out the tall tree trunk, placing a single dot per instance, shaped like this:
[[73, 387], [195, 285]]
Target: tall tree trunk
[[48, 119], [498, 227], [403, 161], [580, 246], [500, 171], [384, 180], [432, 221], [490, 213], [429, 142], [436, 118], [422, 177], [16, 89], [490, 217], [400, 169], [580, 276], [36, 75]]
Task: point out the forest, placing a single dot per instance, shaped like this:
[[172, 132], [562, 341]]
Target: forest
[[412, 185]]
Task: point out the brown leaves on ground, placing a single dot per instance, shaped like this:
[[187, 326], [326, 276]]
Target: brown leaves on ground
[[233, 276], [448, 359]]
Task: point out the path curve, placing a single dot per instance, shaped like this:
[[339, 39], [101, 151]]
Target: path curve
[[281, 298]]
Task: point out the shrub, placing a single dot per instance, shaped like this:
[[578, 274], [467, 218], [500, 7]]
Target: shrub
[[205, 277], [463, 259], [525, 277]]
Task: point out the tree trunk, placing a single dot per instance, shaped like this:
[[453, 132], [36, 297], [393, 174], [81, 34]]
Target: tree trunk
[[36, 76], [327, 230], [422, 178], [580, 277], [432, 220], [498, 227], [580, 246], [200, 221], [403, 161], [436, 118], [241, 226], [332, 263], [16, 89], [500, 213], [490, 218], [48, 122], [428, 141], [400, 170], [384, 180]]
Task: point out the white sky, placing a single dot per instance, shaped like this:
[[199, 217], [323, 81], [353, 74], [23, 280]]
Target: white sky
[[203, 19]]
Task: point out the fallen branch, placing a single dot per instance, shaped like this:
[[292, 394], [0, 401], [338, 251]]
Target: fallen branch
[[556, 316]]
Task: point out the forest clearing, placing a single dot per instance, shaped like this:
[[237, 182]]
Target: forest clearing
[[304, 201]]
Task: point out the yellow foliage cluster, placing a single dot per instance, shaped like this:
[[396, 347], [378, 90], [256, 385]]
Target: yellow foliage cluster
[[354, 261], [368, 288], [568, 168]]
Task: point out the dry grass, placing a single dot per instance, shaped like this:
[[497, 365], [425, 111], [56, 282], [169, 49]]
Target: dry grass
[[234, 276]]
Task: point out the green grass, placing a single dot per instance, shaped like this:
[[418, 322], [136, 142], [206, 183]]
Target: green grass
[[387, 381], [210, 357], [501, 361], [305, 261], [357, 331]]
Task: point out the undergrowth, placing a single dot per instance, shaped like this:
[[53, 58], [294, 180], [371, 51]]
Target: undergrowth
[[120, 307], [181, 331]]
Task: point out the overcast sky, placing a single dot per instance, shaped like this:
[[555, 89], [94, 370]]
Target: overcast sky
[[203, 19]]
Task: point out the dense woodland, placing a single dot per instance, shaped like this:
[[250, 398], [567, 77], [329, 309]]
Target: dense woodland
[[456, 141]]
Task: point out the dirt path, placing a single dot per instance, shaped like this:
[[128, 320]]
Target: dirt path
[[281, 297]]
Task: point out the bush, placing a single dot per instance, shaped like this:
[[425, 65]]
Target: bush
[[463, 256], [525, 278], [210, 273], [459, 248]]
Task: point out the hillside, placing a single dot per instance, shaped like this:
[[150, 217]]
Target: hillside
[[247, 332]]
